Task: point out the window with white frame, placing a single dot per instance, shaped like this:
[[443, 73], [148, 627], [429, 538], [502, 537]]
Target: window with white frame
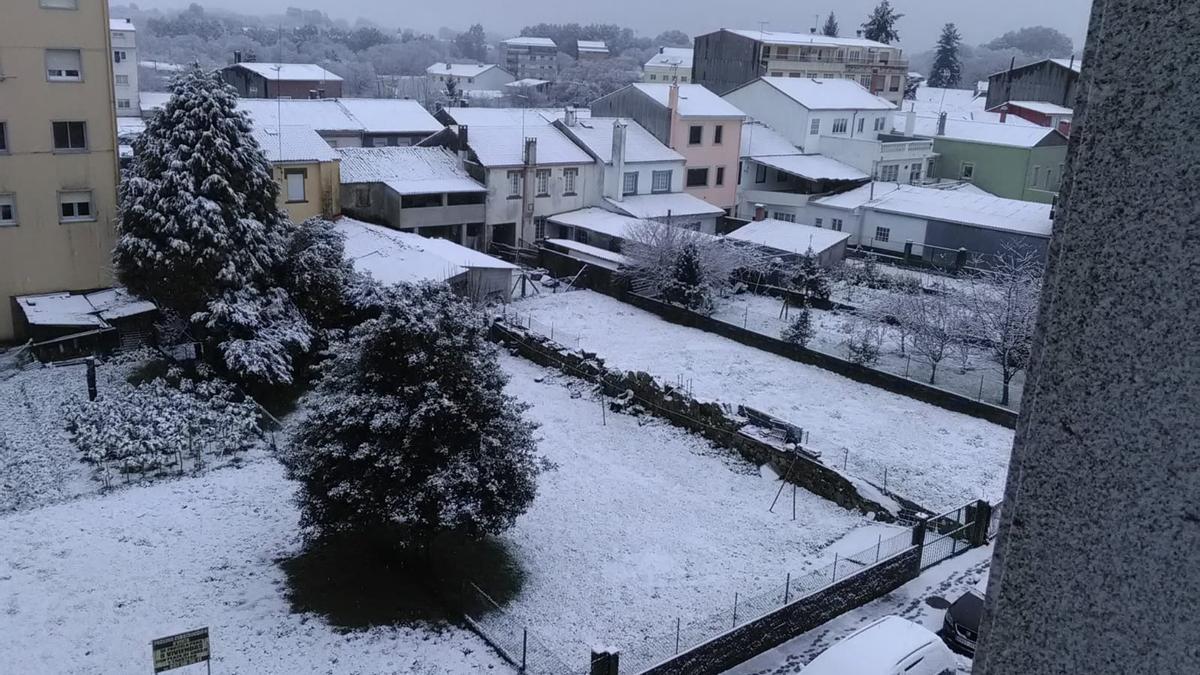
[[862, 123], [570, 178], [294, 180], [865, 80], [1049, 177], [785, 217], [883, 234], [840, 125], [660, 181], [889, 173], [64, 65], [123, 80], [914, 172], [514, 184], [539, 227], [629, 183], [818, 221], [894, 83], [542, 182], [760, 174], [814, 127], [653, 77], [879, 122], [968, 170], [120, 55], [69, 136], [75, 206], [8, 210], [836, 224], [123, 104], [59, 4]]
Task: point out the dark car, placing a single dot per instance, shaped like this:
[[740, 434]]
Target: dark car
[[960, 628]]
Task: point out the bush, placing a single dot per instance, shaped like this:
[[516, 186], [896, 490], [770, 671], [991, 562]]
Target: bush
[[800, 330]]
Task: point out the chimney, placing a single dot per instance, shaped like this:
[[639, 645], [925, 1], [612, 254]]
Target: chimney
[[569, 116], [812, 31], [1004, 113], [447, 66], [760, 212], [941, 127], [463, 141], [858, 32], [663, 50], [672, 112], [237, 56], [618, 158], [530, 152], [910, 122]]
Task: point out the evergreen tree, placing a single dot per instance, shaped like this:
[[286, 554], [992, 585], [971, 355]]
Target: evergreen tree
[[317, 275], [800, 330], [686, 285], [410, 432], [831, 26], [881, 24], [811, 278], [472, 44], [947, 69]]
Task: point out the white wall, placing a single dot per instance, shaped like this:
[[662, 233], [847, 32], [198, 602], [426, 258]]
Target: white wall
[[125, 73], [614, 183], [501, 209], [765, 103], [492, 79]]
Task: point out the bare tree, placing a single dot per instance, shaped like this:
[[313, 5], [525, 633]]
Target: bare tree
[[1003, 302], [937, 323], [653, 248]]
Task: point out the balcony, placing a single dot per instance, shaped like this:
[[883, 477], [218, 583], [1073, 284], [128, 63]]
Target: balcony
[[895, 150], [891, 64], [776, 198]]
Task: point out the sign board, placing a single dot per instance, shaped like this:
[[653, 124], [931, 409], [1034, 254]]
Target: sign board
[[177, 651]]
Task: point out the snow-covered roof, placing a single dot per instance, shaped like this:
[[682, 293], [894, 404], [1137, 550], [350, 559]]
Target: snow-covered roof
[[460, 69], [877, 648], [596, 134], [597, 220], [130, 126], [499, 146], [526, 82], [1070, 64], [801, 39], [359, 115], [530, 42], [827, 93], [290, 72], [1041, 107], [694, 100], [812, 167], [389, 115], [407, 170], [759, 139], [606, 257], [121, 24], [788, 237], [1022, 135], [392, 257], [934, 100], [955, 206], [671, 57], [293, 143], [593, 46], [150, 101], [671, 204], [84, 310], [162, 66], [506, 117]]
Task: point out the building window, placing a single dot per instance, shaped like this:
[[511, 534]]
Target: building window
[[542, 182], [570, 177], [379, 142], [119, 55], [814, 127], [64, 65], [818, 221], [514, 184], [894, 83], [294, 180], [695, 135], [785, 217], [840, 125], [718, 134], [123, 80], [123, 104], [660, 181], [75, 207], [889, 173], [653, 77], [865, 80], [862, 123], [720, 175], [629, 183], [914, 172], [3, 137], [8, 210], [1037, 172], [581, 235], [59, 4], [539, 227], [1049, 177], [780, 176], [879, 122], [882, 234], [362, 197], [697, 177], [968, 170], [760, 174], [70, 135], [836, 224]]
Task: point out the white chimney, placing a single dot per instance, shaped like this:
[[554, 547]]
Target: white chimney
[[569, 116], [618, 158], [672, 112], [910, 122]]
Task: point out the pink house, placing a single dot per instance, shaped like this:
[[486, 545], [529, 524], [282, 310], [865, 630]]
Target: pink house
[[694, 122]]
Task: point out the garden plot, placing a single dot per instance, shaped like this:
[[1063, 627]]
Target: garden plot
[[936, 457], [85, 586], [643, 522]]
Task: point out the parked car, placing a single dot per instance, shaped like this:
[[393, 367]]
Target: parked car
[[889, 646], [960, 627]]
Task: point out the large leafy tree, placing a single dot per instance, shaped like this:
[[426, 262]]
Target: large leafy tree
[[410, 433], [472, 43], [1039, 41], [880, 26], [947, 69]]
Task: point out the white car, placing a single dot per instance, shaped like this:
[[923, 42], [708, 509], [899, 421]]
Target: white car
[[889, 646]]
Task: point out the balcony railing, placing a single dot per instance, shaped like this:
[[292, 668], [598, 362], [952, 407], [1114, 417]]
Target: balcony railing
[[906, 148], [862, 61]]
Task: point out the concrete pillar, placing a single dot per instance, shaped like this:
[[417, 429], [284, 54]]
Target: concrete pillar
[[1097, 565]]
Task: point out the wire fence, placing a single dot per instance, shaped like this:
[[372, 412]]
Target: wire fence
[[511, 637]]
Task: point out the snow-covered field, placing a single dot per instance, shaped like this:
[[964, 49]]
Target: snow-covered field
[[936, 457], [643, 522], [85, 586]]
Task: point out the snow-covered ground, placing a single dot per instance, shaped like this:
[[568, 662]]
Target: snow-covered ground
[[939, 458], [85, 586], [947, 580], [643, 522], [760, 313]]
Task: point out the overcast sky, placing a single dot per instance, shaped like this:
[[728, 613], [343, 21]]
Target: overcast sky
[[978, 20]]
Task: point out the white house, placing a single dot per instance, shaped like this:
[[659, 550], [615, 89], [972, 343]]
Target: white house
[[668, 65], [125, 67], [468, 77], [789, 240]]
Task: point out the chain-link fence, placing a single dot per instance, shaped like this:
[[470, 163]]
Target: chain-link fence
[[511, 637]]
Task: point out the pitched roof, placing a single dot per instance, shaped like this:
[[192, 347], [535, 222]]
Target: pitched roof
[[531, 42], [121, 25], [694, 100], [460, 69], [1042, 107], [595, 46], [802, 39], [596, 134], [407, 170], [87, 310], [956, 206], [389, 115], [290, 72], [826, 93], [293, 143], [362, 115], [789, 237], [605, 257], [598, 220], [759, 139], [934, 100], [505, 117], [671, 204], [499, 146], [1018, 135], [812, 167], [1070, 64], [670, 57], [392, 257]]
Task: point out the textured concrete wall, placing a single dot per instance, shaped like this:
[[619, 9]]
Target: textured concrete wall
[[1097, 565]]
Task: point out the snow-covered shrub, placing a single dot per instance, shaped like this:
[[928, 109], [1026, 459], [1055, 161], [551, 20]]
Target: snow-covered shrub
[[688, 285], [261, 334], [800, 330], [317, 275], [410, 432], [811, 278], [653, 250], [864, 342]]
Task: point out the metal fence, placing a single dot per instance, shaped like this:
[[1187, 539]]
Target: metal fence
[[511, 637], [687, 633], [994, 520], [948, 535]]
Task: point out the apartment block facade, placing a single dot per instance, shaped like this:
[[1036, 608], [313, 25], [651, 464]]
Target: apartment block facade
[[726, 59], [530, 57], [125, 67], [58, 150]]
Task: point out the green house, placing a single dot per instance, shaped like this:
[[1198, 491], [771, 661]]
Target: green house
[[1010, 160]]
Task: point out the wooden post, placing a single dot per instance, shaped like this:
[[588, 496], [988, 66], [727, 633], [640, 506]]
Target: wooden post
[[793, 501], [524, 646], [676, 635], [787, 588], [735, 601]]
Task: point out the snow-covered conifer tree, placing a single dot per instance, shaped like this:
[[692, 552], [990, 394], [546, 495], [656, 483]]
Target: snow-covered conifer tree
[[316, 273], [687, 285], [800, 330]]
